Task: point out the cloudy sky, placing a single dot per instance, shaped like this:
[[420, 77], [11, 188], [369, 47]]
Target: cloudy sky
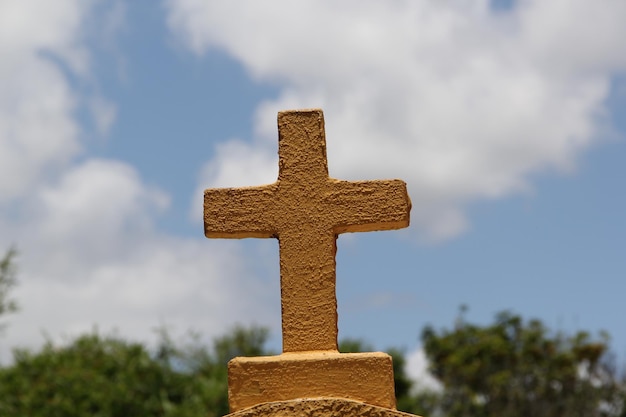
[[507, 119]]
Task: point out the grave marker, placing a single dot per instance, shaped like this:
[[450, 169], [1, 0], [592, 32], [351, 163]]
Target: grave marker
[[306, 210]]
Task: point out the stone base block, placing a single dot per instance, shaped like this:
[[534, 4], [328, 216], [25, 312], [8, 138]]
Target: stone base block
[[316, 407], [364, 377]]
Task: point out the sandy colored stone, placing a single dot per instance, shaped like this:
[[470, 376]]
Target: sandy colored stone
[[306, 210], [318, 407], [365, 377]]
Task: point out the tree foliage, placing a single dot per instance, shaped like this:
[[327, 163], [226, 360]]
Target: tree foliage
[[505, 369], [517, 368], [110, 377], [92, 376], [7, 281]]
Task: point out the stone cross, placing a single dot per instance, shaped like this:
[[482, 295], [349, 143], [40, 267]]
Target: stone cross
[[306, 210]]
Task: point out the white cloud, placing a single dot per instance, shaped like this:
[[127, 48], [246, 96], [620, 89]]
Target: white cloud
[[97, 211], [461, 102], [30, 27], [417, 369], [190, 284], [92, 256], [34, 103], [37, 130], [91, 251]]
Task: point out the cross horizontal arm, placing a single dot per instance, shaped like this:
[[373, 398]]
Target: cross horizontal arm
[[364, 206], [239, 212]]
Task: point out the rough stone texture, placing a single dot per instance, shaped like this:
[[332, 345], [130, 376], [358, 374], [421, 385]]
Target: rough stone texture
[[366, 377], [318, 407], [306, 210]]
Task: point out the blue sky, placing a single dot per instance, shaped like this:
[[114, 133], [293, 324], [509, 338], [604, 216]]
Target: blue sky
[[506, 120]]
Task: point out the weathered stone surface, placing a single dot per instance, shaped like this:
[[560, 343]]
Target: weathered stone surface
[[365, 377], [318, 407], [306, 210]]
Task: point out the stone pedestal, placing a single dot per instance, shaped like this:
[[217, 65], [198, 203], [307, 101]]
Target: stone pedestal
[[364, 377], [317, 407]]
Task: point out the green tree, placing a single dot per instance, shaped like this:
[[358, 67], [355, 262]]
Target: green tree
[[7, 281], [92, 376], [110, 377], [516, 368], [208, 366]]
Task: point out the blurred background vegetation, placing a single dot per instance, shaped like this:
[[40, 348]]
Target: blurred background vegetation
[[511, 367]]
